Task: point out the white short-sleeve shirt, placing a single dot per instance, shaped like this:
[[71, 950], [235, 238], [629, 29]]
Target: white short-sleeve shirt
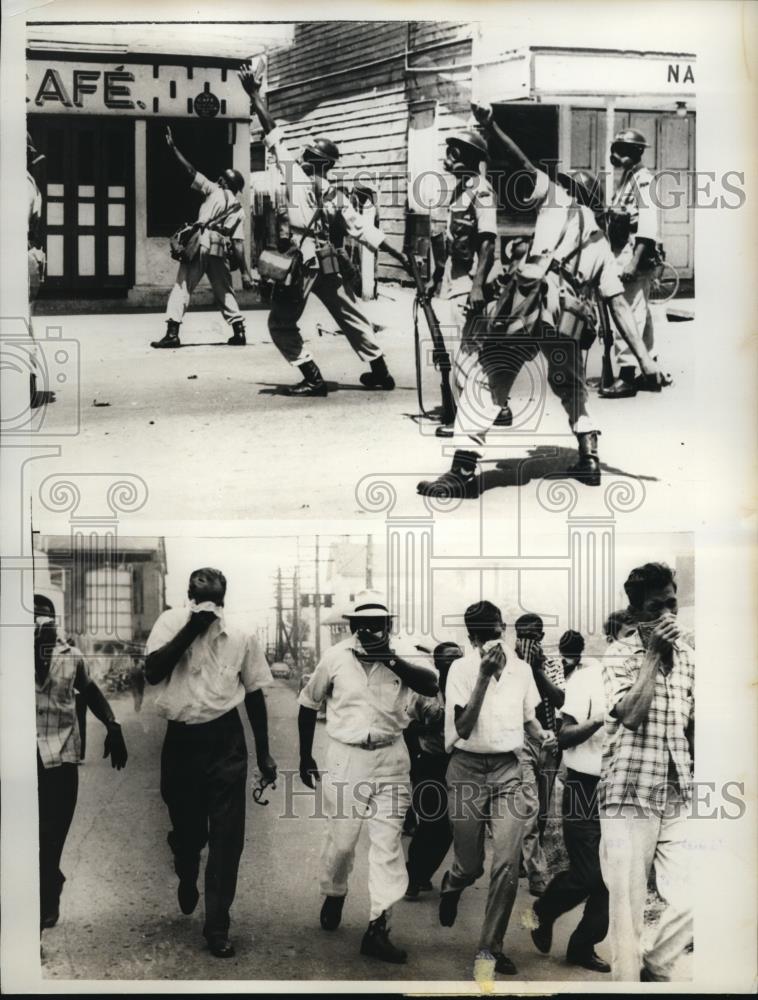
[[585, 697], [509, 703], [213, 676]]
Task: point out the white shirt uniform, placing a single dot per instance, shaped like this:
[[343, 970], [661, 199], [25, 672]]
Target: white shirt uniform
[[213, 676], [509, 703], [302, 202], [217, 201], [585, 697], [364, 704]]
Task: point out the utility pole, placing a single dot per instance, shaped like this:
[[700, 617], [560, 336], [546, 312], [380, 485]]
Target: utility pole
[[369, 563], [295, 621], [317, 606], [279, 623]]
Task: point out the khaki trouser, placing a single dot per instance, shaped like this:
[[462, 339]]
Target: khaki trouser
[[482, 786], [371, 786], [540, 766], [484, 378], [187, 279], [287, 305], [630, 845], [637, 294]]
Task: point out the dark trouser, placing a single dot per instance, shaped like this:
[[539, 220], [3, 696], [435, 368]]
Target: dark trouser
[[203, 779], [583, 880], [81, 718], [57, 788], [433, 835]]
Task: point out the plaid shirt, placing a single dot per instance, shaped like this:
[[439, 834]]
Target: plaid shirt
[[637, 762], [57, 729], [531, 651]]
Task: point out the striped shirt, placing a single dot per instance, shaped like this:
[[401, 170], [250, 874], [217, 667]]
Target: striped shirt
[[637, 763], [57, 728], [531, 651]]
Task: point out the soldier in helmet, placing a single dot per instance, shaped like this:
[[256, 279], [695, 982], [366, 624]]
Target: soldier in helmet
[[217, 240], [633, 234], [316, 208], [469, 246], [569, 256]]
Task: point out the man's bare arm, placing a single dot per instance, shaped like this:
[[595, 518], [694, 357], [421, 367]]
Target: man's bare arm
[[185, 163], [160, 663]]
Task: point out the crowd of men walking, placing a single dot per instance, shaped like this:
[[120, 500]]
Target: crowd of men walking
[[486, 728]]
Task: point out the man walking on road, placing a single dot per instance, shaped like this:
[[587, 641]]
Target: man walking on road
[[221, 233], [314, 206], [367, 686], [490, 701], [540, 763], [207, 669], [60, 673], [645, 784], [581, 739]]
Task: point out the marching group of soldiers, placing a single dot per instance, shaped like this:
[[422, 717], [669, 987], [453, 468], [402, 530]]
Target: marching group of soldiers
[[542, 302], [484, 731]]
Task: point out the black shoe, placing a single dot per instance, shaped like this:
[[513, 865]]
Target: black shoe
[[536, 888], [651, 383], [449, 906], [426, 887], [587, 469], [503, 964], [331, 912], [504, 418], [49, 918], [413, 892], [313, 383], [369, 380], [376, 943], [444, 431], [187, 895], [450, 486], [592, 961], [171, 339], [220, 946], [620, 389], [542, 935], [238, 340]]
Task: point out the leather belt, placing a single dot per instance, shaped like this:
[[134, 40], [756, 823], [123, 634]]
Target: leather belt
[[370, 744]]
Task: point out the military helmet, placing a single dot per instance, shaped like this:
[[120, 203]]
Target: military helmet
[[585, 188], [322, 149], [631, 137], [472, 139], [234, 180]]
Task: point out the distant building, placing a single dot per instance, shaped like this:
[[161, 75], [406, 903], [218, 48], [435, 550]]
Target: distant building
[[109, 598]]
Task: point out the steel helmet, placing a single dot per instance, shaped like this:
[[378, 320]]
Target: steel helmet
[[472, 139], [585, 188], [234, 180], [631, 137], [322, 149]]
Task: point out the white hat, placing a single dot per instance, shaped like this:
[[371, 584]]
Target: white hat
[[369, 604]]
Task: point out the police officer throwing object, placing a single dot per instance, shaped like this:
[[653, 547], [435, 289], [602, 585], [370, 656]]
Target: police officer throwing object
[[221, 233], [206, 670], [569, 257], [314, 206], [367, 687], [633, 234]]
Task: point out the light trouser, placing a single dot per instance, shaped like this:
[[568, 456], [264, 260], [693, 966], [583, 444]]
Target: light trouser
[[481, 787], [484, 374], [372, 787], [203, 779], [540, 766], [630, 844], [57, 789], [287, 305], [187, 279], [637, 294]]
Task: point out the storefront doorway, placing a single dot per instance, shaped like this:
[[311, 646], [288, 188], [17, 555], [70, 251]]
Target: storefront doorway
[[87, 185]]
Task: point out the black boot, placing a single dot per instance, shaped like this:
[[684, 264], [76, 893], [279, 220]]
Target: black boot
[[238, 339], [587, 469], [376, 943], [331, 912], [623, 387], [172, 336], [461, 481], [379, 376], [312, 385]]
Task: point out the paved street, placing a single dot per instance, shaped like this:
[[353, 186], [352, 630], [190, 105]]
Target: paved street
[[239, 448], [120, 918]]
